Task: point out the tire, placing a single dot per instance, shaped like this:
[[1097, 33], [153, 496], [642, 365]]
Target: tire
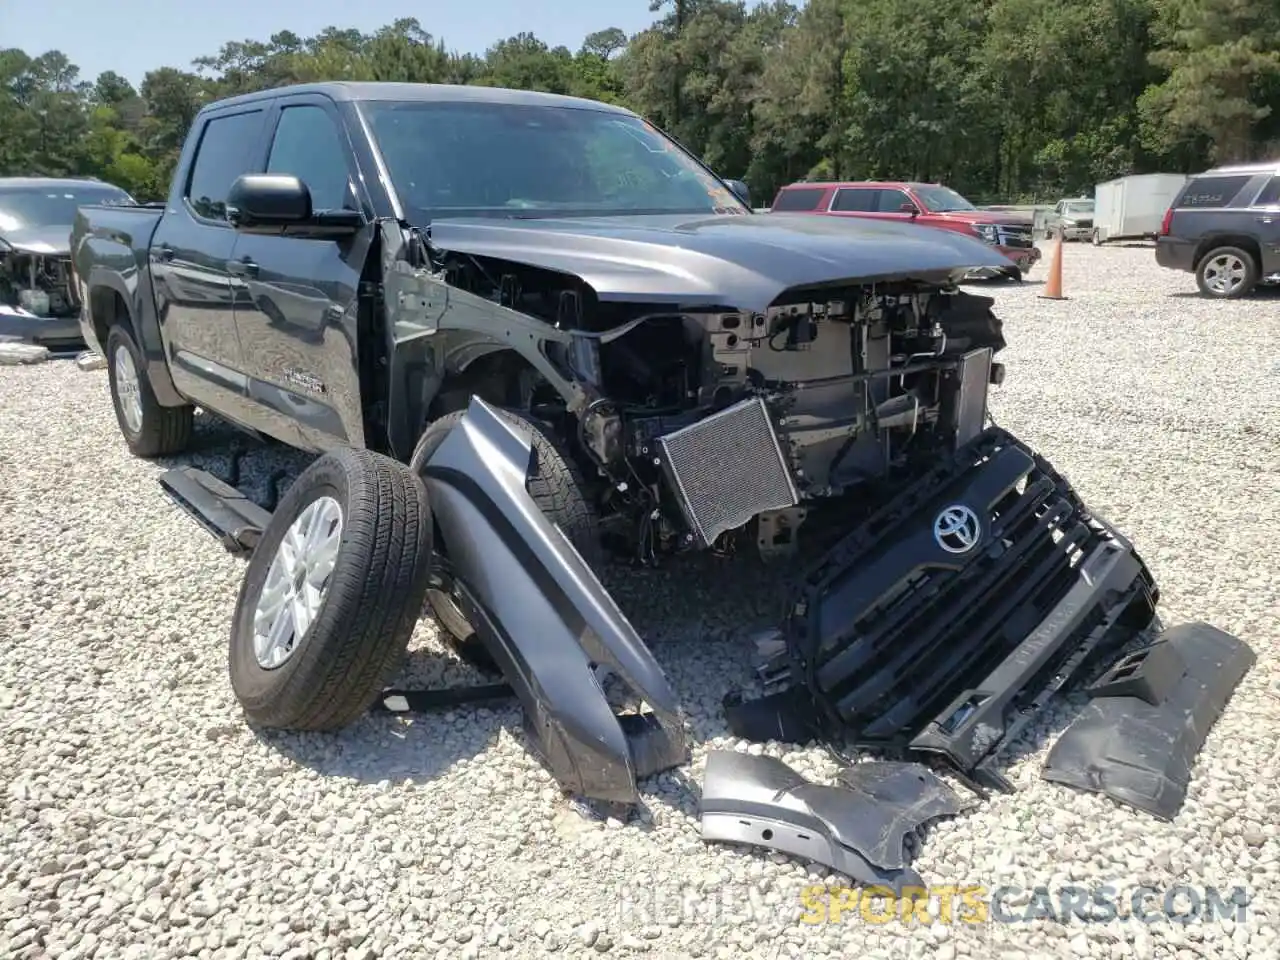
[[556, 486], [368, 604], [1096, 237], [149, 429], [1227, 273]]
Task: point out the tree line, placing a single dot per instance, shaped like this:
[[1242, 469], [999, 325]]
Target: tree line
[[1011, 100]]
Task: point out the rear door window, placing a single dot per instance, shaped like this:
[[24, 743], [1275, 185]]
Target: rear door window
[[1270, 195], [225, 152], [799, 199], [1209, 192], [856, 200]]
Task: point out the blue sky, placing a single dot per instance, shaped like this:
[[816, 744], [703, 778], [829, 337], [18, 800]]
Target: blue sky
[[134, 36]]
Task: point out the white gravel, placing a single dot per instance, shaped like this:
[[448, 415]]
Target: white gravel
[[142, 818]]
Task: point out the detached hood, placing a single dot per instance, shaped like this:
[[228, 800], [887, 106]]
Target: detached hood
[[55, 240], [744, 261]]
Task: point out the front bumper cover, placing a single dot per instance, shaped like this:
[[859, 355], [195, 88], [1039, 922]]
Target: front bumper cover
[[898, 643], [56, 333]]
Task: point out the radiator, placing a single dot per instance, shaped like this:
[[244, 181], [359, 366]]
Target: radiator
[[726, 469]]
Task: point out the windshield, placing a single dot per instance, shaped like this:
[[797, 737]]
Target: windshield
[[466, 159], [942, 199], [1078, 207], [50, 206]]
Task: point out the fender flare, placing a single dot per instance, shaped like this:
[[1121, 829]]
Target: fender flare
[[145, 335], [546, 619]]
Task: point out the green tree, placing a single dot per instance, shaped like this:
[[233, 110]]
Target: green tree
[[1222, 59]]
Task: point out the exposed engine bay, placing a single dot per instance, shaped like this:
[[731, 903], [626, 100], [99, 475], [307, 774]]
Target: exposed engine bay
[[37, 284], [824, 392], [829, 389]]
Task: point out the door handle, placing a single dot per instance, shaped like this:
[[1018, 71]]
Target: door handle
[[242, 268], [164, 252], [1265, 219]]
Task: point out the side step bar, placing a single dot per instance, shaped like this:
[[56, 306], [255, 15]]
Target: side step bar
[[221, 509]]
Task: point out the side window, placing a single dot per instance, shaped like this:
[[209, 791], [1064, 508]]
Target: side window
[[1270, 195], [1211, 191], [855, 200], [222, 156], [307, 145], [891, 201], [799, 199]]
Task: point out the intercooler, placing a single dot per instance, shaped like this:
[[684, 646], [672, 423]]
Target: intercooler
[[726, 469]]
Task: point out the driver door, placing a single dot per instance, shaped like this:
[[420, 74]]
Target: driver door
[[296, 298]]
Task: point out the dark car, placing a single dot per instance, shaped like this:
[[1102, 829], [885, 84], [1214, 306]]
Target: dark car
[[38, 300], [528, 332], [1225, 228], [923, 204]]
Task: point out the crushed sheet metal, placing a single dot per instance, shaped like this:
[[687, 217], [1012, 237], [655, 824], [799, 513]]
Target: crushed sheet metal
[[859, 829], [1139, 736]]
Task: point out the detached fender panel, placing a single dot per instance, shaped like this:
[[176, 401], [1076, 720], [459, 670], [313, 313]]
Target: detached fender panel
[[1138, 738], [545, 617], [859, 828]]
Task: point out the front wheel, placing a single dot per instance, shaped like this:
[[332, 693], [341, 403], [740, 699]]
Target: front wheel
[[1227, 273], [1096, 237], [332, 593]]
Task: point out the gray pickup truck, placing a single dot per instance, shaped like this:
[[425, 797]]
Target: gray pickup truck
[[1224, 227], [530, 335]]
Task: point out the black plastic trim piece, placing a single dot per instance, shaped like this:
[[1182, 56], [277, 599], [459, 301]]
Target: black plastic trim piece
[[1139, 736]]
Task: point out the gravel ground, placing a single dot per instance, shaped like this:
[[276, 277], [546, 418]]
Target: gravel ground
[[143, 818]]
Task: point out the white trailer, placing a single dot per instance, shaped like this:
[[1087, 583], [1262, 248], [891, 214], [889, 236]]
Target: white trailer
[[1131, 208]]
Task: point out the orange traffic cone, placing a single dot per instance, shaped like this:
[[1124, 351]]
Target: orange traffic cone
[[1053, 285]]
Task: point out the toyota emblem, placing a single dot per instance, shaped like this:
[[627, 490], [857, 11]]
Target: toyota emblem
[[957, 529]]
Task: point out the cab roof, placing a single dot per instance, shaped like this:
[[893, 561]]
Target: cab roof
[[342, 90]]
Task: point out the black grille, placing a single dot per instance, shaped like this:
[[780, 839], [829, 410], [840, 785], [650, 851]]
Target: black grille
[[940, 630], [898, 628], [1016, 236], [727, 468]]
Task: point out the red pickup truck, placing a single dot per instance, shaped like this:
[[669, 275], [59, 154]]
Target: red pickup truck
[[928, 204]]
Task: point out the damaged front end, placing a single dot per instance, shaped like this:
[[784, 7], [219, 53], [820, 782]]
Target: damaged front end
[[961, 583], [38, 297]]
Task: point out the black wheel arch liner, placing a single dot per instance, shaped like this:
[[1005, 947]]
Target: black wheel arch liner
[[143, 325], [546, 619]]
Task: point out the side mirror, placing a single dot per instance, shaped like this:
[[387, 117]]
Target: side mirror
[[740, 190], [910, 208], [269, 203]]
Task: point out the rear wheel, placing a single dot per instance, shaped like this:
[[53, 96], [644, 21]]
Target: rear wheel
[[555, 485], [149, 429], [1227, 273]]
